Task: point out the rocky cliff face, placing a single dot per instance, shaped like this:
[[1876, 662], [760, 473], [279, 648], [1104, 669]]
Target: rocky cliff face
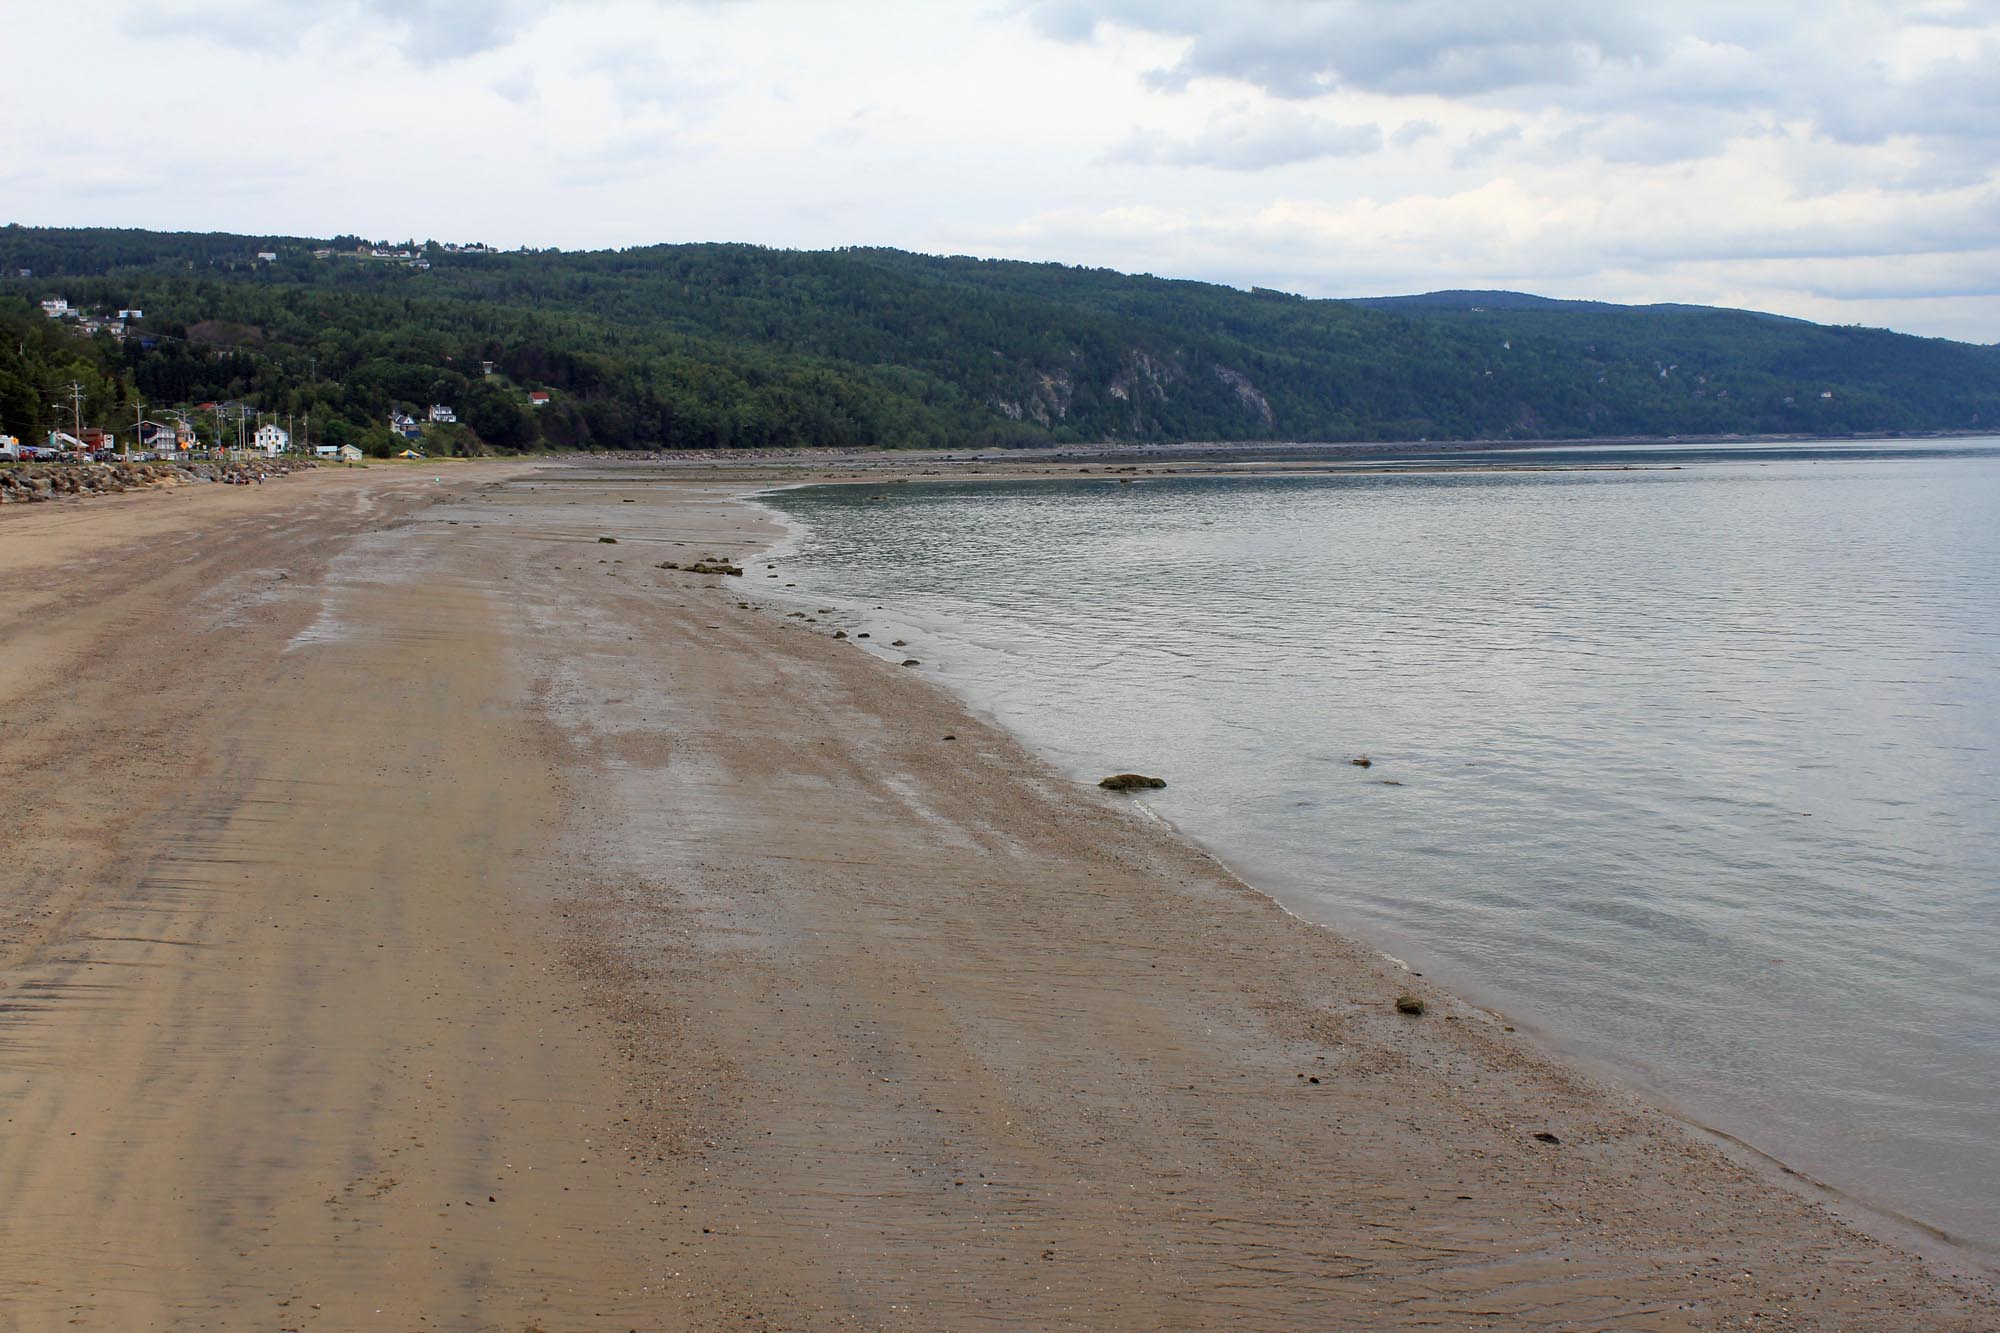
[[1128, 399]]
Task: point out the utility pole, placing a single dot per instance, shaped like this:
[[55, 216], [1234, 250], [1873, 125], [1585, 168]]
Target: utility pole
[[76, 404], [138, 427]]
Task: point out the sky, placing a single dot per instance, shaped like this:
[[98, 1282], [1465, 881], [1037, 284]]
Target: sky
[[1837, 160]]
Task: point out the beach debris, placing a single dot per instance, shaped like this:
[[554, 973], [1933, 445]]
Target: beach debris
[[703, 567], [1387, 782], [1544, 1136], [608, 541], [862, 635], [1362, 761], [1131, 782], [951, 738], [1407, 1003], [840, 634], [897, 643], [911, 661]]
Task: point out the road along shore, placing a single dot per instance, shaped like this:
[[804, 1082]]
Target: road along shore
[[421, 913]]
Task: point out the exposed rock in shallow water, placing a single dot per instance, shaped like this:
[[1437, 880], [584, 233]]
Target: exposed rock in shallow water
[[1130, 782]]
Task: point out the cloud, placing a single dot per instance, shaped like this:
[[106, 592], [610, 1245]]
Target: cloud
[[1303, 48], [1860, 73], [425, 31], [1237, 140]]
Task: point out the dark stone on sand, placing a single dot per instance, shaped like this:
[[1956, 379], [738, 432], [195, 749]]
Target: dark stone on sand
[[897, 643], [861, 635], [911, 661], [667, 564], [1362, 761], [1407, 1003], [840, 634], [1545, 1137], [1130, 782], [608, 541]]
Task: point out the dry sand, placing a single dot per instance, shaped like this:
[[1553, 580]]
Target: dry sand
[[420, 915]]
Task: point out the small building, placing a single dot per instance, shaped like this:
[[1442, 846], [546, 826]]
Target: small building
[[267, 256], [538, 399], [443, 415], [347, 453], [272, 439], [325, 450], [131, 314], [98, 441], [405, 425], [486, 367], [57, 308]]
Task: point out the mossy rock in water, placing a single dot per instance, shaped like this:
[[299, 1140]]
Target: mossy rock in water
[[1130, 782], [716, 567]]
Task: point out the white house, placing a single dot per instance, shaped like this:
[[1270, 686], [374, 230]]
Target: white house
[[325, 450], [273, 439], [347, 453], [131, 314], [56, 308], [443, 415], [268, 256]]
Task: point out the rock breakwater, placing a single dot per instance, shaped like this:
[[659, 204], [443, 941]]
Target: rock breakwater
[[29, 483]]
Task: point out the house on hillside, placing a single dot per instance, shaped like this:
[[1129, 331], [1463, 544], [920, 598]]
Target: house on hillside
[[538, 399], [405, 425], [272, 439], [267, 256], [131, 314], [443, 415], [57, 308]]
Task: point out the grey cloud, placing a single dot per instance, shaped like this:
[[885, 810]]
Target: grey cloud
[[1413, 132], [1482, 146], [1302, 48], [1240, 142]]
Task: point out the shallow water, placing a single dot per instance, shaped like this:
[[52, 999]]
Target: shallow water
[[1699, 763]]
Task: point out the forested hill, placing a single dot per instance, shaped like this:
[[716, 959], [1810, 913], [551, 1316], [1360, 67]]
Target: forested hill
[[716, 346]]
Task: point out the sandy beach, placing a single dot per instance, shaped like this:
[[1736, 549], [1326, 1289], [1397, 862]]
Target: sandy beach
[[421, 913]]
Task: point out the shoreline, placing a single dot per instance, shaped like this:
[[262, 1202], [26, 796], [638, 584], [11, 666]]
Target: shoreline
[[1935, 1243], [501, 929]]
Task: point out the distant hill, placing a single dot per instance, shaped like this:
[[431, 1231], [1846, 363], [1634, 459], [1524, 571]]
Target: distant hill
[[716, 346]]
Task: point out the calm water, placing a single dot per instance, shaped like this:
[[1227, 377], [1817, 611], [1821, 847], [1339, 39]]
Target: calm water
[[1700, 768]]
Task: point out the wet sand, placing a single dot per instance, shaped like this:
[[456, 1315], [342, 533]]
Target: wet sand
[[420, 914]]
